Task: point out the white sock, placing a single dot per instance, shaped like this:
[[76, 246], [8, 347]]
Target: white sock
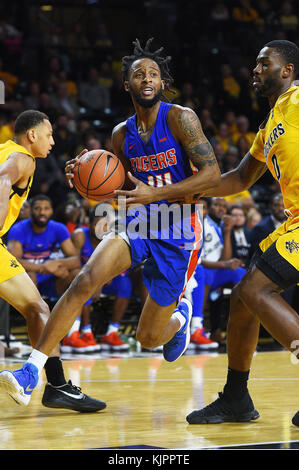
[[75, 327], [37, 358], [112, 328], [178, 315], [196, 322], [86, 329]]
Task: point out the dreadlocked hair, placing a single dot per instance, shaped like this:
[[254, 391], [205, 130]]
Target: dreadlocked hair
[[139, 53]]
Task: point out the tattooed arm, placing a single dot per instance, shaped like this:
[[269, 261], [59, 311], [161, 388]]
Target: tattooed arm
[[186, 129]]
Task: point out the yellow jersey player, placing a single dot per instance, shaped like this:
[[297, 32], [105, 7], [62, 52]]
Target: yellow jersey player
[[275, 267], [33, 138]]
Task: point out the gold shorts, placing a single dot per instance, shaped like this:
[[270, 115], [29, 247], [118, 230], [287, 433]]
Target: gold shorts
[[9, 265], [280, 254]]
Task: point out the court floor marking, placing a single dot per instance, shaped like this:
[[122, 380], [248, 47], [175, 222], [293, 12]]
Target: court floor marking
[[188, 379]]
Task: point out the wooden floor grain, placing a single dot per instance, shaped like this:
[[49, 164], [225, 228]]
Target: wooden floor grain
[[147, 403]]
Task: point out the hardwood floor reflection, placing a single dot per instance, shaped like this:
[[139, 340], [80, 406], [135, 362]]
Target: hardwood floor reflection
[[147, 403]]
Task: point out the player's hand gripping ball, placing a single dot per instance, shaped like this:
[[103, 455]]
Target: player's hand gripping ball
[[98, 174]]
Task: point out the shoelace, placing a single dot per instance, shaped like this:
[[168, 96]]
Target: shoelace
[[74, 387]]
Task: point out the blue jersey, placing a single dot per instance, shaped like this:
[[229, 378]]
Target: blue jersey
[[38, 247], [165, 235], [87, 248], [161, 160]]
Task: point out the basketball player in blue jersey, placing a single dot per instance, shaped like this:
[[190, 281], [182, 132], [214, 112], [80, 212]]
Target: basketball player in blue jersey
[[158, 145]]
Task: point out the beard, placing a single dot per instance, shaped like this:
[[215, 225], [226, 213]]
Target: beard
[[39, 223], [270, 87], [147, 103]]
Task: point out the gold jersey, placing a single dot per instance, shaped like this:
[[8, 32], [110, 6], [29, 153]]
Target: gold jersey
[[277, 144], [17, 195]]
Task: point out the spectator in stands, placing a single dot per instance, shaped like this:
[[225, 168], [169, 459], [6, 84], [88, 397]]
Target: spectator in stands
[[106, 74], [254, 217], [45, 249], [92, 143], [222, 137], [32, 98], [208, 125], [289, 21], [230, 88], [188, 97], [231, 158], [61, 101], [244, 13], [230, 120], [101, 38], [45, 106], [216, 268], [243, 130], [72, 214], [245, 16], [92, 94], [267, 15], [269, 223], [25, 211], [244, 198], [78, 46], [65, 140], [240, 234], [71, 86], [243, 145]]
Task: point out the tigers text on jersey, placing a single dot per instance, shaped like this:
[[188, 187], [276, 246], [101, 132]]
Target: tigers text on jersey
[[164, 235], [277, 144], [17, 195], [161, 160]]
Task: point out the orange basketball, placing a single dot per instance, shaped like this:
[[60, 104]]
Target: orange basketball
[[97, 174]]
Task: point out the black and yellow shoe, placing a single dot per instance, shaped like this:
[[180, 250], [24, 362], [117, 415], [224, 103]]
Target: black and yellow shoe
[[70, 397]]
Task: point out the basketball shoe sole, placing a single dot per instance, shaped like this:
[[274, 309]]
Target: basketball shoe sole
[[19, 384]]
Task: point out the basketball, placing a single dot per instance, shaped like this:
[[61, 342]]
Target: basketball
[[98, 174]]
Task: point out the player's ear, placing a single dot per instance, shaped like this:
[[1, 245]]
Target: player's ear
[[126, 86], [163, 84], [31, 135], [287, 70]]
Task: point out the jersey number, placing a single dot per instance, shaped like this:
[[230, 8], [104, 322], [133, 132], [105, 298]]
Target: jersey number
[[159, 180], [276, 166]]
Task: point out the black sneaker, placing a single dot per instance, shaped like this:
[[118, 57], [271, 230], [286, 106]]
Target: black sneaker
[[295, 419], [70, 397], [225, 409]]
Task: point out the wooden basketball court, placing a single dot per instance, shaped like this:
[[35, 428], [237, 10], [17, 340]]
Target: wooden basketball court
[[148, 400]]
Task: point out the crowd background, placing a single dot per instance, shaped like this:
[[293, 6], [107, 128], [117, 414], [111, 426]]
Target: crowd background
[[64, 58]]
